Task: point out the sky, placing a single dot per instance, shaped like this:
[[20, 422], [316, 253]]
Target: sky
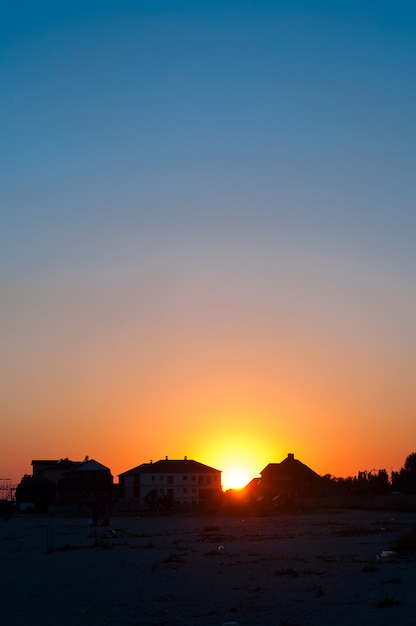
[[208, 233]]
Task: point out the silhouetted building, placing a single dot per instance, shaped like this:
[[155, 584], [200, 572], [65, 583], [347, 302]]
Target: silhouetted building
[[66, 482], [88, 483], [167, 483], [285, 481], [52, 469]]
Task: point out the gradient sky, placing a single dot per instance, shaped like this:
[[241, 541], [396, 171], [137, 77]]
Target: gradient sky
[[208, 233]]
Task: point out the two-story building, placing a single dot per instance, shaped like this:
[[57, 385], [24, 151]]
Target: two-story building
[[169, 483], [284, 482], [66, 482]]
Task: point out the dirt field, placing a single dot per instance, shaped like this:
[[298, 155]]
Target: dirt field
[[285, 570]]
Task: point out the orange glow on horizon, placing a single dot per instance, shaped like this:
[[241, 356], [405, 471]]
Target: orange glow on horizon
[[236, 451], [236, 478]]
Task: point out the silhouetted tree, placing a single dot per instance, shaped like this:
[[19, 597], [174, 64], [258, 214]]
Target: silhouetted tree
[[375, 482], [407, 475], [379, 482], [331, 485], [395, 481], [410, 463], [361, 483]]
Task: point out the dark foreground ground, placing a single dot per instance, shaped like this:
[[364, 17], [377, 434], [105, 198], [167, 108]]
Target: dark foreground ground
[[285, 570]]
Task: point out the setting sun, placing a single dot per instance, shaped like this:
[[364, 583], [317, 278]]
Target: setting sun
[[239, 453], [236, 478]]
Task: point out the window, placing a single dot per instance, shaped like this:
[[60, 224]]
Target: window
[[193, 477], [184, 477], [170, 480], [201, 480], [208, 480], [185, 490]]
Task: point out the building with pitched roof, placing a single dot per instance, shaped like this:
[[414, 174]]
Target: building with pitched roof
[[89, 482], [66, 482], [169, 483], [285, 481]]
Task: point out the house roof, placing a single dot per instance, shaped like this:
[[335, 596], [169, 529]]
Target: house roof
[[289, 469], [172, 466], [135, 470], [254, 482], [67, 466], [91, 465], [41, 465], [45, 461]]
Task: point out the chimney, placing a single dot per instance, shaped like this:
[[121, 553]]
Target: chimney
[[291, 456]]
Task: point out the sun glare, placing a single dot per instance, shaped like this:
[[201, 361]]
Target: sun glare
[[235, 478], [238, 453]]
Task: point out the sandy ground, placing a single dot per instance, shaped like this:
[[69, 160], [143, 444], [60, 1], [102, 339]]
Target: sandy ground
[[285, 570]]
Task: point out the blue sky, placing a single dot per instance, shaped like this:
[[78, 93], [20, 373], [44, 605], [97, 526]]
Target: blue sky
[[177, 165]]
